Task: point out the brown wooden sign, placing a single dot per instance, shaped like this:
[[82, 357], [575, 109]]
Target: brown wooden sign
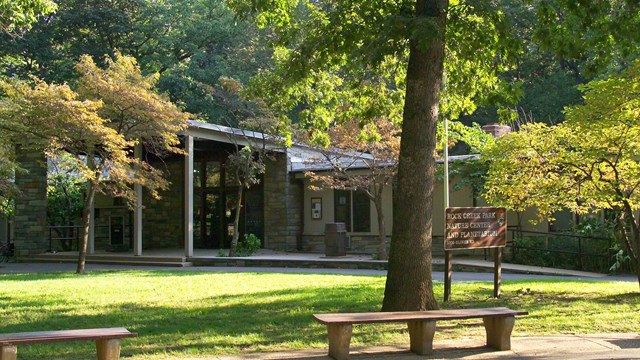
[[476, 227]]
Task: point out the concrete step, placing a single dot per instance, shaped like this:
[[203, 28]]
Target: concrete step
[[330, 263], [112, 261], [114, 257]]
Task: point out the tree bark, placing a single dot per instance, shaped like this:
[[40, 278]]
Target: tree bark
[[84, 238], [236, 224], [409, 283]]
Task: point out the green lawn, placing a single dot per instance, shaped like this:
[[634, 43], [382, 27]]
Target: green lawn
[[190, 314]]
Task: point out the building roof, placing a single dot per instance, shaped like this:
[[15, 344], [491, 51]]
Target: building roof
[[302, 157]]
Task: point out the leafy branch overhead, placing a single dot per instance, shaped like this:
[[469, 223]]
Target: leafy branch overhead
[[341, 60]]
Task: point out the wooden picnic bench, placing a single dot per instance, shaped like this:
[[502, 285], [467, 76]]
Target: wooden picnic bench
[[107, 340], [498, 323]]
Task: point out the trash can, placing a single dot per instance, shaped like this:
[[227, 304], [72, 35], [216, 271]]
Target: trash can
[[335, 239]]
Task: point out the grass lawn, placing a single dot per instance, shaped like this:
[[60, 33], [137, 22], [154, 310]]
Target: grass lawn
[[195, 314]]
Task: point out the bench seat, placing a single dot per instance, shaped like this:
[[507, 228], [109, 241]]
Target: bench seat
[[498, 323], [107, 340]]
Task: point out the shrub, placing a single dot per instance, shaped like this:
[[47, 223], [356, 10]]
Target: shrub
[[248, 246]]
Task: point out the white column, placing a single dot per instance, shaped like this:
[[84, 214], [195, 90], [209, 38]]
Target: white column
[[137, 211], [188, 196]]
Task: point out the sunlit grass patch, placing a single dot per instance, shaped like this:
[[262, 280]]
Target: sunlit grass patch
[[195, 314]]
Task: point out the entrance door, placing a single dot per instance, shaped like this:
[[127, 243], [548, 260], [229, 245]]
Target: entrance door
[[215, 203]]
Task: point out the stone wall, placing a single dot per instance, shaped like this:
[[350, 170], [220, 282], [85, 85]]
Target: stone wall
[[31, 205], [102, 226], [163, 219], [356, 244], [282, 205]]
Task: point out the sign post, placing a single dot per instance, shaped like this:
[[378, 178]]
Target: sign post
[[476, 228]]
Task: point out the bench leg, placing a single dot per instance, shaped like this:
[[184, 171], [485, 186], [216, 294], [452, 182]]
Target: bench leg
[[421, 336], [339, 338], [8, 352], [108, 349], [499, 331]]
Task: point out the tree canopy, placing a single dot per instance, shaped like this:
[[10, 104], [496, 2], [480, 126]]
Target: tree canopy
[[19, 15], [191, 44], [586, 164], [369, 59]]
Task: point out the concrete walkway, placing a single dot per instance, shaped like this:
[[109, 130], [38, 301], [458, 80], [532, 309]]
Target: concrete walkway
[[562, 347]]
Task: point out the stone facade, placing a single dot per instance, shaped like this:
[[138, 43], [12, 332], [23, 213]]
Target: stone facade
[[283, 198], [31, 206], [163, 219]]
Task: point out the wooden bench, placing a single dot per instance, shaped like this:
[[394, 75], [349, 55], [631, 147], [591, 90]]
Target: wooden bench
[[107, 340], [498, 323]]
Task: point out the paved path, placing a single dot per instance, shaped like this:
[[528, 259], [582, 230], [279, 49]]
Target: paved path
[[562, 347]]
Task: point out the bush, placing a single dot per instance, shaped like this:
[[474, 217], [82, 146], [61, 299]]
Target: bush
[[248, 246]]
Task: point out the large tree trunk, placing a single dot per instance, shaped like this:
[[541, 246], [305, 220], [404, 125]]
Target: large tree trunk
[[84, 236], [409, 282], [236, 223]]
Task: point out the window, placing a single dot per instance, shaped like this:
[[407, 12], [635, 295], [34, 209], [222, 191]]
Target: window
[[354, 209], [361, 212]]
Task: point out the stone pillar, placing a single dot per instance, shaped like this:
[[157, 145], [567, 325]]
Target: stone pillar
[[282, 205], [31, 205]]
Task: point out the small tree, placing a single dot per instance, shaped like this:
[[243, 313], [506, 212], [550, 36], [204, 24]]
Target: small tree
[[247, 163], [114, 110], [586, 164], [245, 168], [374, 148]]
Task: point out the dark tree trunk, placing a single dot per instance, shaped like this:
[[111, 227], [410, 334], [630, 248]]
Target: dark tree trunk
[[409, 282], [84, 238]]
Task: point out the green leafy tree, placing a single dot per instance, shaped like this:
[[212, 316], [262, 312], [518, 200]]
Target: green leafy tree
[[19, 15], [598, 35], [367, 59], [114, 110], [191, 44], [586, 164]]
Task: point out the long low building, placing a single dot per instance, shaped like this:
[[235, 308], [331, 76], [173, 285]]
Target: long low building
[[198, 209]]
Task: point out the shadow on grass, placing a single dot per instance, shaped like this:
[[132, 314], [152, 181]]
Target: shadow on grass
[[253, 321]]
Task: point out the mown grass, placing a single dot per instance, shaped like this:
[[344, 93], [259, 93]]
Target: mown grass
[[194, 314]]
